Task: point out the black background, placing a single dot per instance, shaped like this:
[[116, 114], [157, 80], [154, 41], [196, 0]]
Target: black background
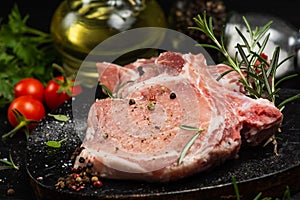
[[40, 12]]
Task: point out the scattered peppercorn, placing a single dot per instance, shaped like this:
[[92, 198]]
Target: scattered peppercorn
[[97, 184], [76, 152], [10, 192], [131, 102], [79, 179], [94, 179], [140, 70], [89, 165], [172, 95], [152, 97], [151, 106], [105, 135], [81, 159]]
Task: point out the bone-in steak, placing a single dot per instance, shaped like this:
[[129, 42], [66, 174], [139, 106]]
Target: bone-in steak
[[139, 135]]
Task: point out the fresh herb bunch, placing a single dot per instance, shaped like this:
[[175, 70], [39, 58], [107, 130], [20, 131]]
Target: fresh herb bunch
[[24, 52], [256, 72]]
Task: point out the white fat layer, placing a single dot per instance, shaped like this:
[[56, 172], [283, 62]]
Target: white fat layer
[[161, 79], [124, 163], [116, 162], [216, 122], [90, 133]]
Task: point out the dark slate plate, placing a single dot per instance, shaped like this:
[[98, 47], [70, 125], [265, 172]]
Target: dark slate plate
[[256, 170]]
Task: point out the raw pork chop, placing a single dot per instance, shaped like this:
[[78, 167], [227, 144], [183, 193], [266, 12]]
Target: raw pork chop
[[139, 135]]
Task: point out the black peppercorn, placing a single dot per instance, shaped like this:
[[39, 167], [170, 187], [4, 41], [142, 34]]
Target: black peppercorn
[[89, 165], [131, 101], [172, 95], [140, 70], [81, 159], [10, 192]]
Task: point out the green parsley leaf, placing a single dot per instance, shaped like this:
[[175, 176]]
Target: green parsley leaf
[[24, 52]]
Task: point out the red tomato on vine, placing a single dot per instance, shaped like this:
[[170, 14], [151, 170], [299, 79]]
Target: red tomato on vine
[[29, 86], [24, 112], [59, 90]]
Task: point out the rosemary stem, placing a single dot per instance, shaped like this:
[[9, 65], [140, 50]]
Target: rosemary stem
[[232, 63], [206, 27]]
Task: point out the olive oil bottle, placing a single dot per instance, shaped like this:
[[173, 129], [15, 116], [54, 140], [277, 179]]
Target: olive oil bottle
[[79, 25]]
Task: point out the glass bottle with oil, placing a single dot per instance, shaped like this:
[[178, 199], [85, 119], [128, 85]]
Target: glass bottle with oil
[[79, 25]]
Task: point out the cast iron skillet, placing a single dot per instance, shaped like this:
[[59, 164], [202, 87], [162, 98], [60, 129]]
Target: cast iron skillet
[[256, 170]]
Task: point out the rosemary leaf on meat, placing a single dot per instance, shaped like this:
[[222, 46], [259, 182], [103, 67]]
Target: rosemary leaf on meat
[[257, 74], [189, 128], [190, 142], [107, 90], [110, 93]]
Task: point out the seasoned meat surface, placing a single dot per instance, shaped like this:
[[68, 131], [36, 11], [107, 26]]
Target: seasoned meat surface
[[138, 134]]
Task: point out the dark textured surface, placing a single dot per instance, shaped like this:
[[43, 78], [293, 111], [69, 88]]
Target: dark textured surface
[[257, 167]]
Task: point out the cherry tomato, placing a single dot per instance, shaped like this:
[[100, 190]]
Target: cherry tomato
[[29, 107], [29, 86], [58, 91]]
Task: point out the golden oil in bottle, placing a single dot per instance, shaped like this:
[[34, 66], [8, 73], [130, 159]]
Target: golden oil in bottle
[[79, 25]]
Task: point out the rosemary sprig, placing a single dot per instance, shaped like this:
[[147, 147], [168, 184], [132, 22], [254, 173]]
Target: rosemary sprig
[[190, 142], [207, 28], [107, 90], [257, 74]]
